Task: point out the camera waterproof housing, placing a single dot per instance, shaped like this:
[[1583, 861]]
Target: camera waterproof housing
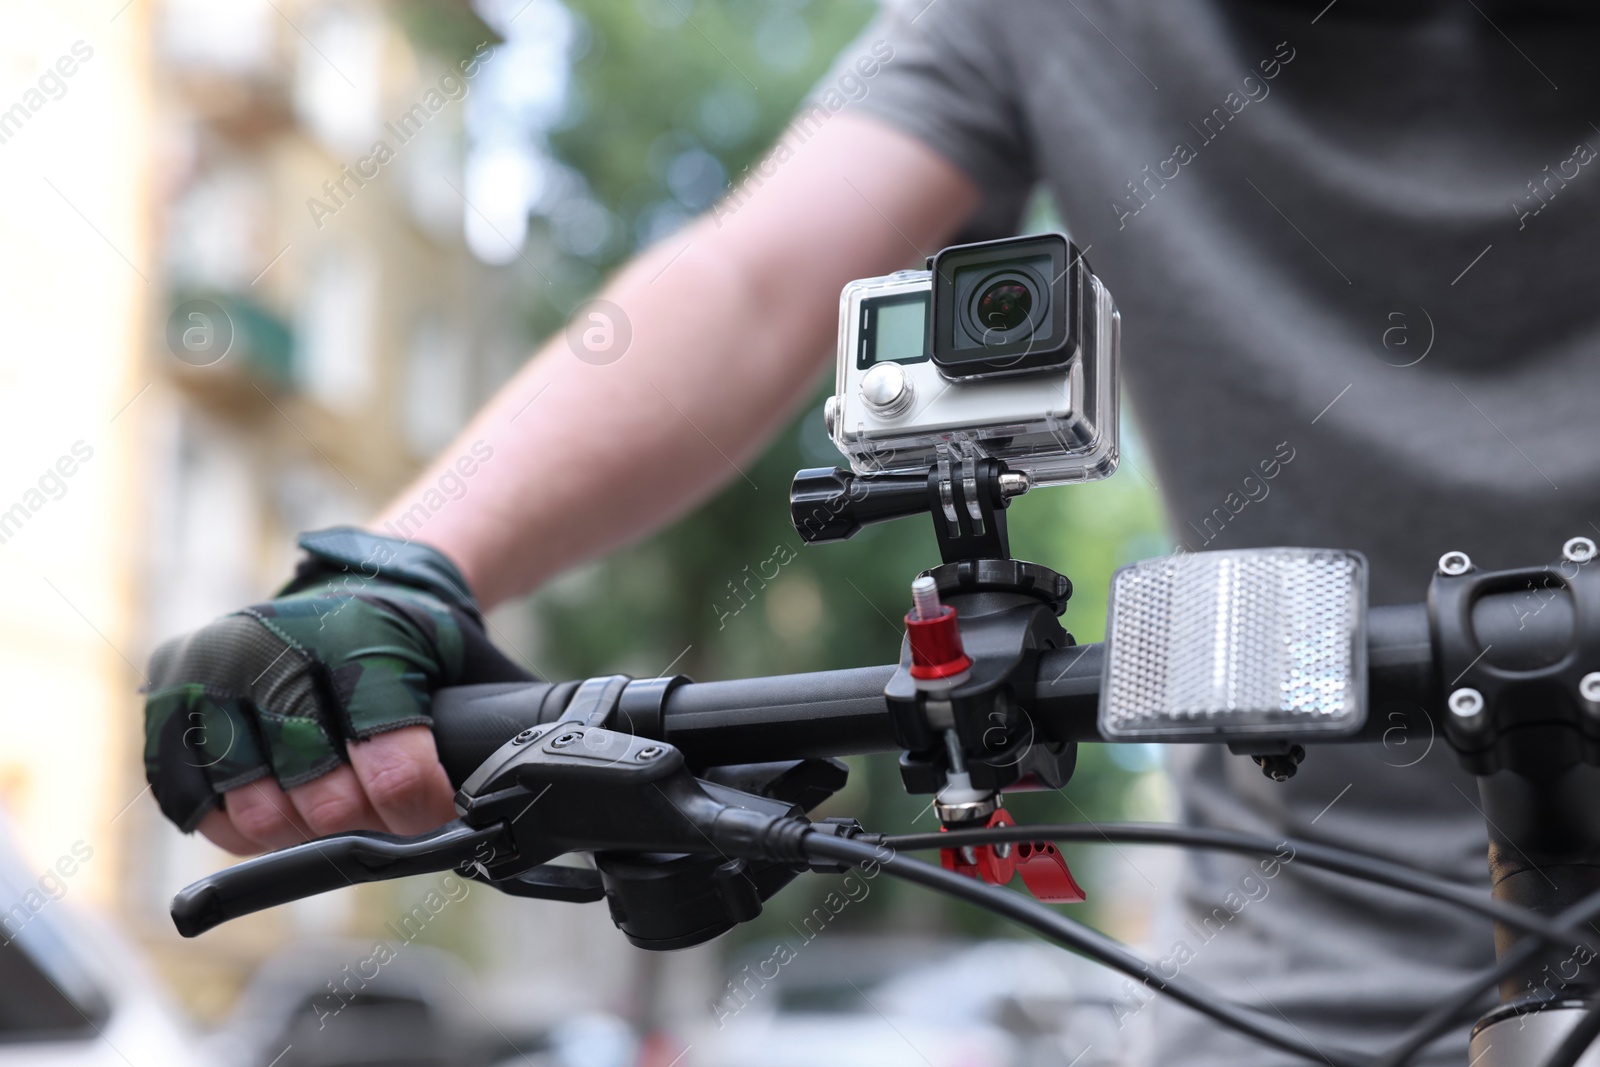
[[1004, 349]]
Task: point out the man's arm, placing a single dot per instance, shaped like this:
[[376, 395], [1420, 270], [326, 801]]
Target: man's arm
[[730, 321]]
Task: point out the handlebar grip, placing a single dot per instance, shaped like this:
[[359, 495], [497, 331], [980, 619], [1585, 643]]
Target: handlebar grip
[[328, 863], [471, 721]]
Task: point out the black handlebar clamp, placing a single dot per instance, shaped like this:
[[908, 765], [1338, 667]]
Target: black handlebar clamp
[[1522, 712]]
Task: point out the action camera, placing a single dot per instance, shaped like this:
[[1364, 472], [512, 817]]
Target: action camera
[[1005, 349]]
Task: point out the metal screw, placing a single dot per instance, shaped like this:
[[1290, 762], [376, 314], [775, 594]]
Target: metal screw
[[1578, 550], [524, 737], [1452, 564], [649, 752], [1014, 483], [566, 740], [925, 603], [1466, 703]]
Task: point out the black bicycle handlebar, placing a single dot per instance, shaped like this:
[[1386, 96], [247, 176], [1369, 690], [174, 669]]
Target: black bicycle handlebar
[[843, 712], [1411, 652]]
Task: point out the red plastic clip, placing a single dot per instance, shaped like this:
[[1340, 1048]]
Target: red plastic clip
[[1040, 863]]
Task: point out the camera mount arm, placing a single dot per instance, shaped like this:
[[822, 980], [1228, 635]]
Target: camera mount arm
[[960, 718], [967, 497]]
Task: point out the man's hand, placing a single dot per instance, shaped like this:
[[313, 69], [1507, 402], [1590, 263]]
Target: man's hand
[[394, 783], [308, 714]]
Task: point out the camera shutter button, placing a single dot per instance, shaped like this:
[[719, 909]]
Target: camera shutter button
[[886, 389]]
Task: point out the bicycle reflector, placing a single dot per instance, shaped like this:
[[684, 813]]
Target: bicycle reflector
[[1251, 643]]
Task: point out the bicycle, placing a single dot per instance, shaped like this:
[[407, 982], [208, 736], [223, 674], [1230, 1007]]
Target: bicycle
[[691, 798]]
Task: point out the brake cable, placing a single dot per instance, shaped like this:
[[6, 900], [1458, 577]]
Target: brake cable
[[1078, 937], [1354, 864], [1326, 857], [1449, 1011]]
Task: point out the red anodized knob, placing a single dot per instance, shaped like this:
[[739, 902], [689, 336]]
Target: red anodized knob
[[936, 650]]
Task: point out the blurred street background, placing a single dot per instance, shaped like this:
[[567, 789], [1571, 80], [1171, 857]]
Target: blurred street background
[[227, 316]]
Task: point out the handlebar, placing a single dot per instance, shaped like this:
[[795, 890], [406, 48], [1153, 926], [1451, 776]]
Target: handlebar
[[843, 712], [715, 777]]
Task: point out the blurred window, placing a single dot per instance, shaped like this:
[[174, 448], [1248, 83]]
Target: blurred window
[[436, 385], [431, 165], [214, 240], [338, 83], [235, 36], [334, 360]]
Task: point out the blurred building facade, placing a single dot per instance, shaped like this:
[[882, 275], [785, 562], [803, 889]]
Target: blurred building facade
[[274, 319], [325, 329]]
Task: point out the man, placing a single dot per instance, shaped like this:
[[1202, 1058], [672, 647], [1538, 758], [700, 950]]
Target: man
[[1346, 244]]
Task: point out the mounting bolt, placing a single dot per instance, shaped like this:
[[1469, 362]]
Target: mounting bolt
[[1578, 550], [1466, 704], [648, 752], [524, 737], [1453, 564], [567, 740], [925, 601], [938, 662], [1014, 483]]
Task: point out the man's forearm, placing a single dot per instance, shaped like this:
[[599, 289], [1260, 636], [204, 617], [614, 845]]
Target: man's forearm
[[585, 457], [730, 322]]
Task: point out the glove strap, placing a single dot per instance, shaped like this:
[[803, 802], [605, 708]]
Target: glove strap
[[347, 550]]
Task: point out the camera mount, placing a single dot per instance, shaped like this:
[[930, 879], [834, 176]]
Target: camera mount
[[958, 698], [967, 497]]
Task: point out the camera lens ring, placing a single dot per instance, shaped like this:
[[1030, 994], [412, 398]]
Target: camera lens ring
[[1037, 310], [1004, 304]]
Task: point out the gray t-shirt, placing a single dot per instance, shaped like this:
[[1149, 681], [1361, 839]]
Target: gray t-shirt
[[1355, 238]]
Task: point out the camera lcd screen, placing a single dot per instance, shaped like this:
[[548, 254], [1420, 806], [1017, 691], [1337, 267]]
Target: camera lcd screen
[[894, 329]]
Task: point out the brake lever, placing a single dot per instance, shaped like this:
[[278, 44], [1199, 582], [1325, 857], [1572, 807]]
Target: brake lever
[[329, 863]]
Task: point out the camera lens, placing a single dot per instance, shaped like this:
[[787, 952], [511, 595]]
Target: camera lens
[[1004, 305]]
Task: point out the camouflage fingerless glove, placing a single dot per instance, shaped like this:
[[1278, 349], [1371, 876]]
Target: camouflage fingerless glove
[[353, 647]]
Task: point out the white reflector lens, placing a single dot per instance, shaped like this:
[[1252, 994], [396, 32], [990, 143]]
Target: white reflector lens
[[1268, 641]]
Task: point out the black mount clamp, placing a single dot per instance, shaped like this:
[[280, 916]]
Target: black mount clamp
[[1008, 612], [1009, 615]]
